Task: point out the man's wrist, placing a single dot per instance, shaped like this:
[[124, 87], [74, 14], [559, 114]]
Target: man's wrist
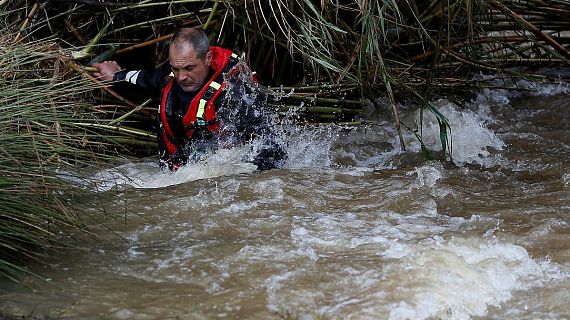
[[119, 76]]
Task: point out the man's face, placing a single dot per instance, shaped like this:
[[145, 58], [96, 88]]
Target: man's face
[[190, 71]]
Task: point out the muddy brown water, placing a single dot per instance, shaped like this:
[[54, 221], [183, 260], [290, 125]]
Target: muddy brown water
[[351, 228]]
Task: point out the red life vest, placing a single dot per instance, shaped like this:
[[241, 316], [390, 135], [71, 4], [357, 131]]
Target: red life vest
[[202, 110]]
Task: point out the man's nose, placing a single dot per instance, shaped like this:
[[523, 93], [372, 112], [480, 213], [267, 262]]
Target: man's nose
[[182, 76]]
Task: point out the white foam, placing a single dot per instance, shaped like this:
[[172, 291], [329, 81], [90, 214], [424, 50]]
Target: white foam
[[428, 176], [428, 279], [421, 274], [147, 174], [270, 190], [309, 147], [461, 278], [517, 89], [471, 139], [493, 96]]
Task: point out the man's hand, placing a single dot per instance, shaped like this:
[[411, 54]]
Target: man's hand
[[106, 70]]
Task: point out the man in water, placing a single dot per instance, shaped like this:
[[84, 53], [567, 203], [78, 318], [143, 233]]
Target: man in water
[[196, 115]]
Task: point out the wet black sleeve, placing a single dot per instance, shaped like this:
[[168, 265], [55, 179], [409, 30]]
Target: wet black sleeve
[[151, 80]]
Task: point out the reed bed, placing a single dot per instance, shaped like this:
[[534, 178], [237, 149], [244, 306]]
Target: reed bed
[[326, 59], [46, 155]]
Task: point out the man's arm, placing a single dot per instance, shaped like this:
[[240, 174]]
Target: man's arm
[[149, 80], [106, 70]]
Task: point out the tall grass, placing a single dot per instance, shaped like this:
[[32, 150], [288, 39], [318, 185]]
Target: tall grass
[[41, 100]]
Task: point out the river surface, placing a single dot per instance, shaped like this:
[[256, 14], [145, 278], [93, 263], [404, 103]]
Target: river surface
[[351, 228]]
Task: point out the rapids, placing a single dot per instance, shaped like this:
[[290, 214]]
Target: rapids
[[351, 228]]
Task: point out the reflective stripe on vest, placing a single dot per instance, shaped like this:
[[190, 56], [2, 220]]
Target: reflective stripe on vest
[[208, 94]]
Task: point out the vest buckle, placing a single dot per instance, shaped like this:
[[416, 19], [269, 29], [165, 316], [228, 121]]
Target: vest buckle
[[200, 122]]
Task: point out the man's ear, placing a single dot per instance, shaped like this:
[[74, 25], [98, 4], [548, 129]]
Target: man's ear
[[208, 57]]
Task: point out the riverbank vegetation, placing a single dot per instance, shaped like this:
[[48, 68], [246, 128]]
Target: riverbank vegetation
[[45, 149], [328, 58]]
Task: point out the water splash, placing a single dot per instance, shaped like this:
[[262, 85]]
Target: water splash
[[477, 274], [434, 278], [145, 175], [517, 89], [472, 141]]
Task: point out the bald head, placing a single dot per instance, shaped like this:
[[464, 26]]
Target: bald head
[[195, 38]]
